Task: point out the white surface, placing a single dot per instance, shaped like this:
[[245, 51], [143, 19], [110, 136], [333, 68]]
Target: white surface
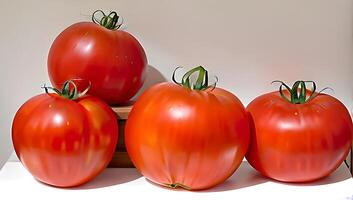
[[246, 43], [127, 183]]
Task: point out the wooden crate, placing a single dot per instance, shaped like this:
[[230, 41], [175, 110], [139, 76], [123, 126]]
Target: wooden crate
[[121, 158]]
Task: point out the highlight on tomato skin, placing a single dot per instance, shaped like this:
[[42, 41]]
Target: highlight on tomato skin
[[188, 135], [298, 136], [66, 138], [112, 59]]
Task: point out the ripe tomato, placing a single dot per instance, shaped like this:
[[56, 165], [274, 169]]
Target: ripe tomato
[[113, 60], [190, 138], [300, 139], [64, 142]]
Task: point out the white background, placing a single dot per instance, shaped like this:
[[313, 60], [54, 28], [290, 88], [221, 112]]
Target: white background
[[246, 43]]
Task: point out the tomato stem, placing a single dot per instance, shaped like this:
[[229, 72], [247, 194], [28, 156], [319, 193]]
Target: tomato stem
[[201, 82], [298, 92], [68, 92], [110, 21]]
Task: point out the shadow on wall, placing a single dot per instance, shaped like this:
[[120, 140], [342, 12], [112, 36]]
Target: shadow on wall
[[153, 76]]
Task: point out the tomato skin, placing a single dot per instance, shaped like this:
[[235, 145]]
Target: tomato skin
[[113, 60], [175, 135], [62, 142], [298, 142]]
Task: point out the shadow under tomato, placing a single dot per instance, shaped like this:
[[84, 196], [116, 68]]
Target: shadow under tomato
[[110, 177], [165, 187], [244, 176], [340, 174]]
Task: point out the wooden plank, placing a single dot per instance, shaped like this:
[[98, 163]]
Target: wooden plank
[[123, 111], [121, 139], [121, 160]]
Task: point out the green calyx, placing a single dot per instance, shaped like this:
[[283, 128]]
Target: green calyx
[[201, 82], [68, 92], [110, 21], [298, 92]]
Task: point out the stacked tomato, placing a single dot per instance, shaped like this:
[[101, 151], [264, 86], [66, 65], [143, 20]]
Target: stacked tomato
[[113, 60], [66, 138], [188, 134]]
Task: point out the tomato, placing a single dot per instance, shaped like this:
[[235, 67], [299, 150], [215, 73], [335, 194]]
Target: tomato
[[64, 142], [113, 60], [189, 138], [298, 139]]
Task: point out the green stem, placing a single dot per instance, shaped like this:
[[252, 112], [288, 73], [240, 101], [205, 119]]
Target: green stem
[[110, 21], [68, 92], [298, 92], [201, 82]]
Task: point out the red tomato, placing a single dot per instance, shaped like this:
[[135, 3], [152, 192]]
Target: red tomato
[[298, 142], [64, 142], [113, 60], [194, 139]]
